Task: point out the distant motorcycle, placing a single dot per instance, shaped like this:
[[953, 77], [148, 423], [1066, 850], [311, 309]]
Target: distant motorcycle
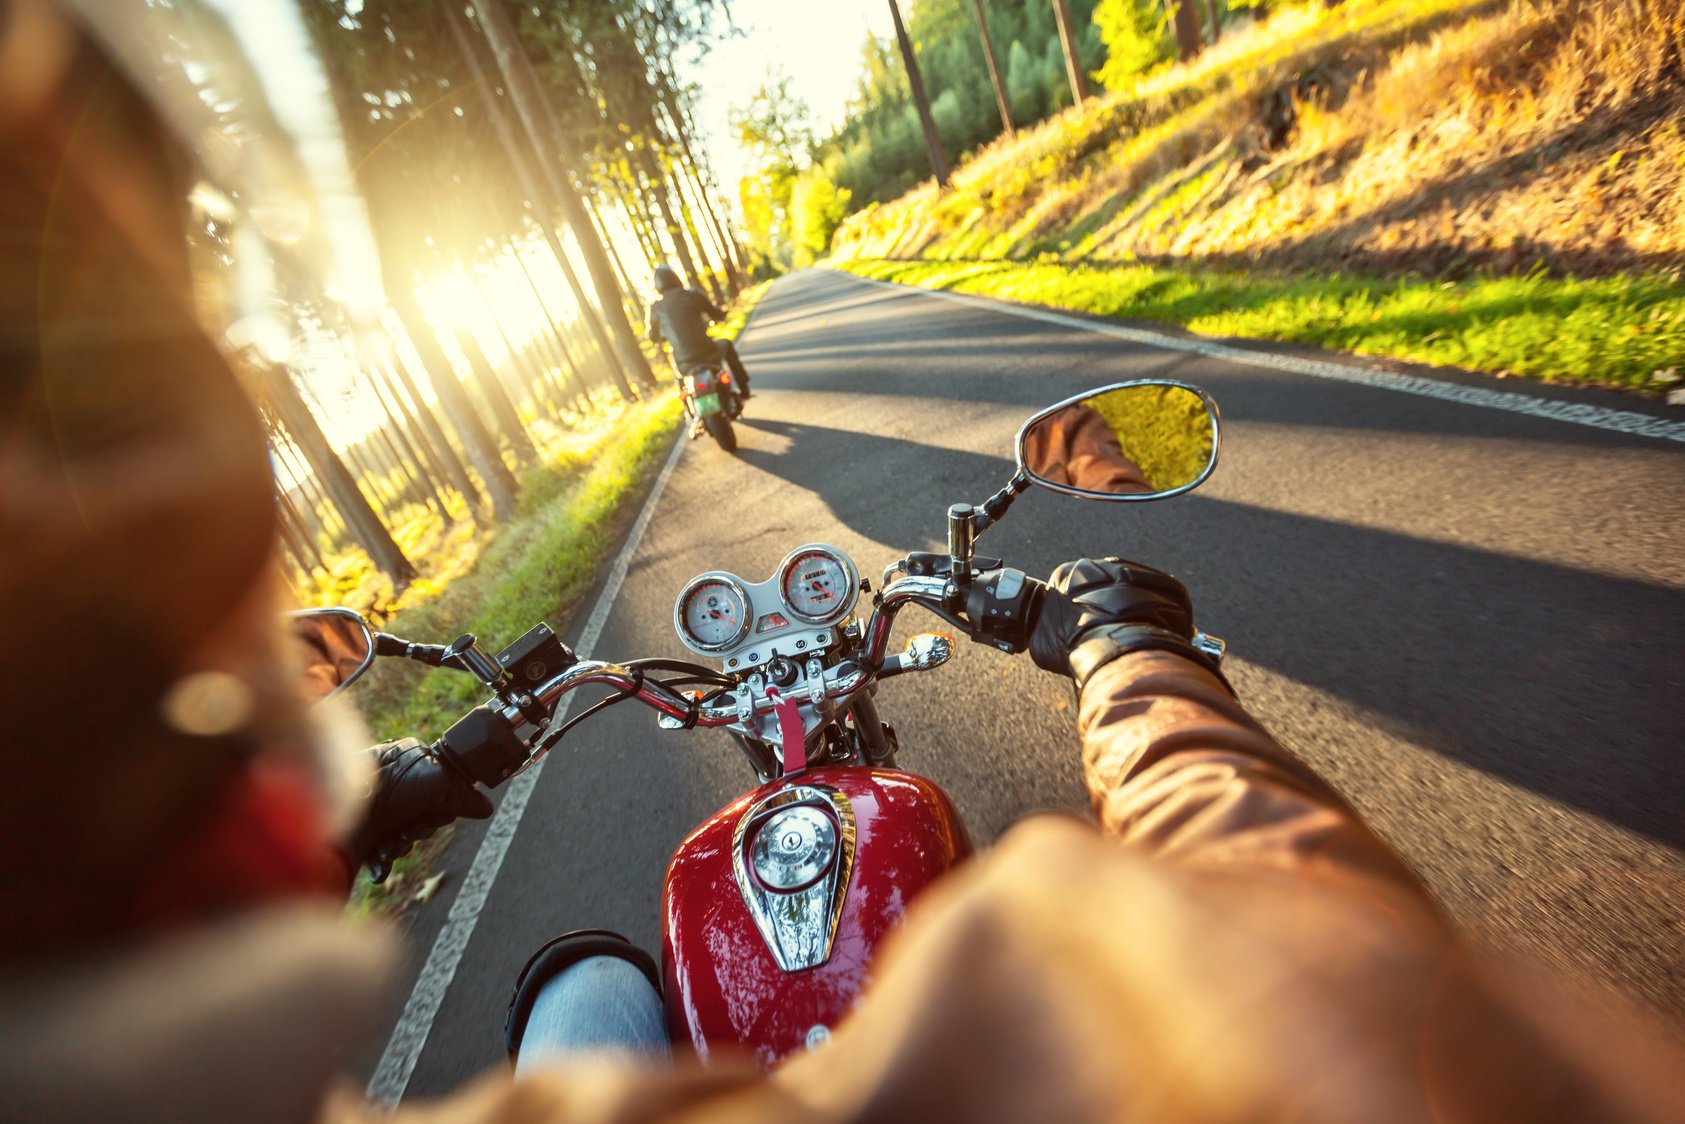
[[774, 906], [711, 402]]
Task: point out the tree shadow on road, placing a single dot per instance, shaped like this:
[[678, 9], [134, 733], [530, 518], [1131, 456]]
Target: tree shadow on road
[[883, 488], [1551, 678]]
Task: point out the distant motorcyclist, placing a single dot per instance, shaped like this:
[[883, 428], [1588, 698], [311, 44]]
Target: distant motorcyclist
[[680, 318]]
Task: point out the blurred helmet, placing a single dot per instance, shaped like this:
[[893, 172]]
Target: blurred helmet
[[666, 279], [170, 194]]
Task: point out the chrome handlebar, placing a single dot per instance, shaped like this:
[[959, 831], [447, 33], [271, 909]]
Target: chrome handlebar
[[931, 592], [839, 682]]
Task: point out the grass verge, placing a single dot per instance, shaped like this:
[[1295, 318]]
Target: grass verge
[[1616, 331], [534, 569], [498, 584]]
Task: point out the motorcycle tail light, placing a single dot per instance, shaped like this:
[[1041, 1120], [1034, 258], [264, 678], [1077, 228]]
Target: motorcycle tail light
[[793, 848]]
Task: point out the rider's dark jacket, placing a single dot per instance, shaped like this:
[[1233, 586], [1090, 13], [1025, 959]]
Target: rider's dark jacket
[[680, 318]]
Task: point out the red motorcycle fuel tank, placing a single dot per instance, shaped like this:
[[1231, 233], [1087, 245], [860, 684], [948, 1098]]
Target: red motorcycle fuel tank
[[774, 906]]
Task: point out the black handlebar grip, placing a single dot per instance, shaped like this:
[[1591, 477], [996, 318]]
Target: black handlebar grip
[[484, 746], [1002, 606]]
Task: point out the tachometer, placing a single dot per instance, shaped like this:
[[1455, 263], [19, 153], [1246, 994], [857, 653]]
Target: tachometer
[[713, 613], [818, 584]]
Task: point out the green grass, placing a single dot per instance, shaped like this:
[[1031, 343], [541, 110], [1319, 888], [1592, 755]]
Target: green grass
[[1614, 331], [499, 584], [534, 569]]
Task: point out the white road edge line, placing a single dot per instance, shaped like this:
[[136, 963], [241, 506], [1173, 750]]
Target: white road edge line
[[403, 1049], [1596, 417]]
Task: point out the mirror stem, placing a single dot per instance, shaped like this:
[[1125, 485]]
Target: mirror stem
[[995, 506], [966, 523]]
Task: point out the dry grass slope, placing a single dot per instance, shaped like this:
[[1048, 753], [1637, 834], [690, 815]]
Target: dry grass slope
[[1378, 136]]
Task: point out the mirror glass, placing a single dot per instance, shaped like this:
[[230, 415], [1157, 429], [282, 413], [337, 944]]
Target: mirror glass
[[335, 647], [1140, 441]]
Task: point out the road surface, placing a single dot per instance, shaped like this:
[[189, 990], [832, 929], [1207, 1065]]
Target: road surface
[[1472, 619]]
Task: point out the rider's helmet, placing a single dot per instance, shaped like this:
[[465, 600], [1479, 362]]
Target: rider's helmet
[[173, 212], [666, 279]]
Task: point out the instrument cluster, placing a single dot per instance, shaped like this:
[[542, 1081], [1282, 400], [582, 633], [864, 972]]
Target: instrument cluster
[[791, 613]]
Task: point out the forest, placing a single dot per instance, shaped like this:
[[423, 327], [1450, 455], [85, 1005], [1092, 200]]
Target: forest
[[988, 68], [523, 168]]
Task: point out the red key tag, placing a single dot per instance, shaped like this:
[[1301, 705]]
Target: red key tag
[[791, 731]]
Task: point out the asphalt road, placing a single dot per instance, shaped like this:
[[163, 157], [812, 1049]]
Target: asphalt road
[[1473, 621]]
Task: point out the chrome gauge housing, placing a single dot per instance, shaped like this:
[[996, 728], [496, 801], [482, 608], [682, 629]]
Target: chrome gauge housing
[[796, 613], [712, 612], [818, 583]]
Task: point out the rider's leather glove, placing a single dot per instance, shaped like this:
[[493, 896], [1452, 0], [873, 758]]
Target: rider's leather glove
[[415, 794], [1097, 609]]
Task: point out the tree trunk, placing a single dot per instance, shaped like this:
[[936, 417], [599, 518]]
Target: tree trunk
[[1215, 8], [699, 191], [529, 185], [553, 330], [660, 188], [497, 397], [529, 371], [451, 469], [698, 203], [1184, 17], [712, 188], [994, 69], [281, 442], [309, 555], [621, 177], [366, 528], [593, 207], [529, 106], [938, 160], [704, 253], [413, 490], [476, 442], [1073, 57], [427, 472]]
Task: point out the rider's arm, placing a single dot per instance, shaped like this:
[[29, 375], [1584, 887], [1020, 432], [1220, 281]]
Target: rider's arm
[[1173, 763], [653, 328], [1176, 767], [715, 313]]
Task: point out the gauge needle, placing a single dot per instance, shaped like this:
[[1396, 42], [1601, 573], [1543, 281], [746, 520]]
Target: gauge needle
[[815, 587]]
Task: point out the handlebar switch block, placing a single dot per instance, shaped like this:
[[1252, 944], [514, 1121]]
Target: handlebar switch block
[[1001, 606], [484, 746], [535, 658]]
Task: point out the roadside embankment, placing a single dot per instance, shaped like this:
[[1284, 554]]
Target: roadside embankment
[[1617, 331], [1495, 185]]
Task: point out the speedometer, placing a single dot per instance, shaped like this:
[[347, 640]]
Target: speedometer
[[713, 613], [818, 584]]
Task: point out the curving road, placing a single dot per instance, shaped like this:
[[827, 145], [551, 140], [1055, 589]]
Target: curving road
[[1472, 619]]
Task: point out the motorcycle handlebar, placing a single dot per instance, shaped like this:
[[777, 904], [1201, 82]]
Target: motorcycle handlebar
[[839, 681]]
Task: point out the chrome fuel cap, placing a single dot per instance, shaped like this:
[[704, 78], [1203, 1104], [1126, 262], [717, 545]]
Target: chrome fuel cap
[[793, 847]]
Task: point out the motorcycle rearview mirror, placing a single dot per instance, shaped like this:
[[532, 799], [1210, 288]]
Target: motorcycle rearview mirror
[[336, 647], [1142, 440]]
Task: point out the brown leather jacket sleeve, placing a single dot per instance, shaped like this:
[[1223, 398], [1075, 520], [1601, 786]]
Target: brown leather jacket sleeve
[[1176, 768]]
